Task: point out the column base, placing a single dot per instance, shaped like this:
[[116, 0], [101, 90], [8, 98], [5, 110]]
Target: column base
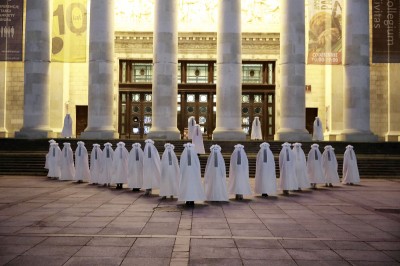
[[390, 136], [34, 134], [99, 134], [164, 134], [357, 136], [331, 135], [292, 135], [3, 132], [237, 135]]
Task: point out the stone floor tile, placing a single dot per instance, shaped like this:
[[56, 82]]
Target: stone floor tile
[[38, 260], [384, 245], [129, 261], [303, 244], [217, 243], [98, 261], [203, 225], [150, 251], [394, 254], [211, 232], [102, 251], [155, 242], [269, 262], [13, 249], [313, 254], [39, 230], [111, 241], [364, 255], [249, 226], [21, 240], [10, 229], [7, 258], [258, 243], [66, 241], [348, 245], [80, 230], [322, 263], [120, 231], [264, 254], [215, 262], [213, 252], [42, 250], [251, 233]]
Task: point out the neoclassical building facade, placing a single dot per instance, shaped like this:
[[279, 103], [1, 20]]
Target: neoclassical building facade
[[150, 65]]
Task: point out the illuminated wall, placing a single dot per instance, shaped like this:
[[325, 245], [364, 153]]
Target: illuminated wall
[[197, 15]]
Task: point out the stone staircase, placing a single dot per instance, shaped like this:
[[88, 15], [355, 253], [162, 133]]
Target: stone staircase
[[375, 160]]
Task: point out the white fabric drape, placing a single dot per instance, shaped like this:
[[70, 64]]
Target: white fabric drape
[[265, 180], [67, 163], [300, 163], [287, 176], [314, 166], [135, 166], [215, 176], [330, 165], [151, 166], [82, 171], [95, 164], [350, 167], [120, 164], [256, 129], [170, 172], [239, 182]]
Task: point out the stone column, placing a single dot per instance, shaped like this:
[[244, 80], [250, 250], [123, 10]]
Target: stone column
[[356, 111], [292, 65], [101, 61], [165, 67], [36, 71], [393, 133], [229, 72], [3, 96]]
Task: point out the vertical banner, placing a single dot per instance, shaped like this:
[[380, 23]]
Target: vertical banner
[[69, 31], [386, 31], [325, 32], [11, 29]]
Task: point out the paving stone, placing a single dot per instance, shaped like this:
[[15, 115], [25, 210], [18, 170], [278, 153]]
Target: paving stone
[[21, 240], [322, 263], [363, 255], [385, 245], [258, 243], [216, 262], [98, 261], [313, 254], [129, 261], [348, 245], [155, 242], [269, 263], [102, 251], [226, 243], [42, 250], [213, 252], [264, 254], [66, 241], [7, 258], [303, 244], [13, 249], [111, 241], [38, 260], [150, 251]]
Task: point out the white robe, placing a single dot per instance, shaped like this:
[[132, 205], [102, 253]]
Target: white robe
[[265, 180], [287, 175], [191, 124], [256, 129], [190, 186], [239, 182], [106, 164], [170, 172], [82, 171], [46, 166], [314, 166], [151, 166], [330, 165], [135, 167], [350, 168], [67, 128], [95, 164], [215, 176], [67, 163], [197, 140], [54, 160], [300, 163], [318, 133], [120, 164]]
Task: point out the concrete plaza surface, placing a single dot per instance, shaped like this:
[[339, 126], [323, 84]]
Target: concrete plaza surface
[[48, 222]]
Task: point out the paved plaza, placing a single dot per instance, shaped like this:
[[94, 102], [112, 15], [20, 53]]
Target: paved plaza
[[48, 222]]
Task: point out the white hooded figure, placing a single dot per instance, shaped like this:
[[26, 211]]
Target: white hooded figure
[[287, 176], [54, 161], [170, 173], [256, 129], [46, 166], [106, 164], [190, 186], [239, 183], [135, 167], [151, 167], [300, 166], [314, 166], [120, 165], [318, 133], [95, 164], [265, 183], [197, 140], [67, 128], [330, 166], [82, 172], [67, 163], [191, 124], [215, 176], [350, 169]]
